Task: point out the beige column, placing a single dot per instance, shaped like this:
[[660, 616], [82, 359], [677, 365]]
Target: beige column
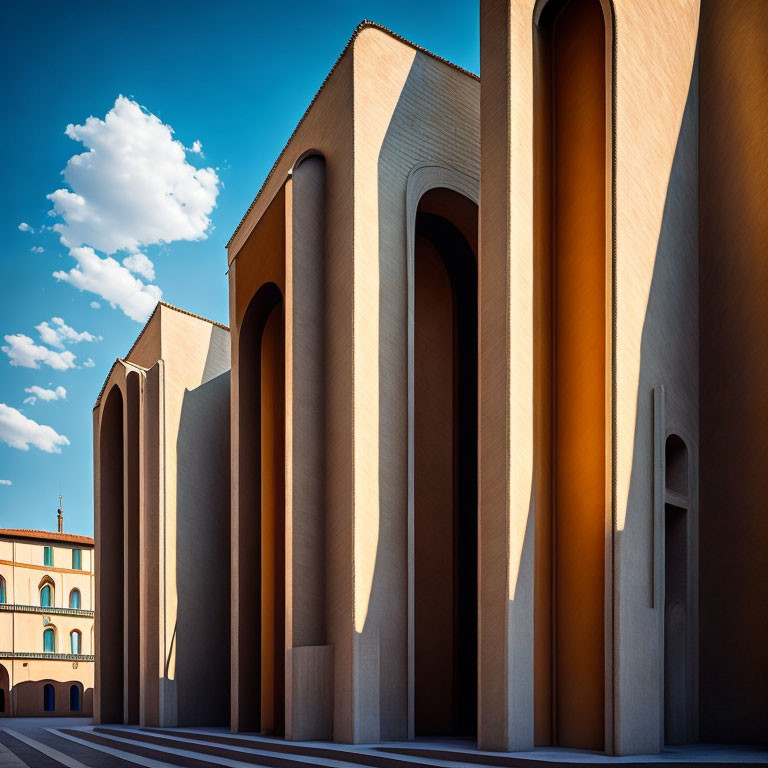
[[309, 660], [505, 696]]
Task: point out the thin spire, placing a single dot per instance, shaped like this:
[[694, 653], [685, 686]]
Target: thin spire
[[60, 515]]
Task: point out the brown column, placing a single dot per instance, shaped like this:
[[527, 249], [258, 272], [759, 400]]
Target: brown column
[[272, 525], [733, 322]]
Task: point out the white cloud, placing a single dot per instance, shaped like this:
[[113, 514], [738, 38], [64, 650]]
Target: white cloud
[[37, 249], [133, 186], [140, 264], [60, 332], [113, 282], [24, 353], [20, 432], [95, 305], [89, 363], [197, 147], [5, 482], [24, 227], [46, 395]]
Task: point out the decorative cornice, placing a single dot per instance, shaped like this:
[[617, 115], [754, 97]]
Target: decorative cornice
[[53, 611], [47, 656]]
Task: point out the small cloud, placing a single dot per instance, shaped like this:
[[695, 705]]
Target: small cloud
[[24, 353], [46, 395], [20, 432], [197, 148], [89, 363], [95, 305], [113, 282], [5, 482], [59, 332], [24, 227], [141, 265], [37, 249]]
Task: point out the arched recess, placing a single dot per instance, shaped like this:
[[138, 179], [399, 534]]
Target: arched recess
[[5, 688], [680, 624], [131, 567], [74, 599], [573, 268], [109, 551], [49, 698], [442, 455], [3, 590], [261, 370], [75, 698]]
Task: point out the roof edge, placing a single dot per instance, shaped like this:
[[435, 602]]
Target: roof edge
[[364, 24], [37, 535]]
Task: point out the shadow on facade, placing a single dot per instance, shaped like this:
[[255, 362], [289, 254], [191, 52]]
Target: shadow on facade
[[201, 636]]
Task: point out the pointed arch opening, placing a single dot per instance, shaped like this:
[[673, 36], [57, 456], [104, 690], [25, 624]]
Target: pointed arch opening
[[47, 592], [572, 369]]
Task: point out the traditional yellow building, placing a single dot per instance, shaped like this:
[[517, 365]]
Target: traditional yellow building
[[46, 623], [496, 415]]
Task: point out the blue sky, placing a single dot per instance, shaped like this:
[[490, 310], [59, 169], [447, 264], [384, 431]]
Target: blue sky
[[234, 76]]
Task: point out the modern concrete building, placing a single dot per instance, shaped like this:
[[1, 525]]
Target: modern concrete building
[[46, 623], [161, 482], [485, 339]]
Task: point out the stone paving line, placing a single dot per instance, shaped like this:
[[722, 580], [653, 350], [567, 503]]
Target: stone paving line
[[76, 743]]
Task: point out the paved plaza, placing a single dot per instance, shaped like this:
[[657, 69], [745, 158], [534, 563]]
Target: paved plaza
[[76, 743]]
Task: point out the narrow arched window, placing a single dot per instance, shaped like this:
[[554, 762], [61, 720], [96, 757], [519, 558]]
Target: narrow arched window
[[49, 640], [74, 598], [2, 590], [74, 698], [75, 641], [49, 698], [46, 596]]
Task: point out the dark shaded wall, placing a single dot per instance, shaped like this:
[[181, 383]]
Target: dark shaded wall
[[734, 370], [203, 552]]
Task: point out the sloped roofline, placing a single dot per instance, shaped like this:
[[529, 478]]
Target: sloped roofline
[[141, 333], [28, 533], [365, 24]]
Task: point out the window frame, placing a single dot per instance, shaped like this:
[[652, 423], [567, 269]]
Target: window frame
[[48, 556], [52, 631]]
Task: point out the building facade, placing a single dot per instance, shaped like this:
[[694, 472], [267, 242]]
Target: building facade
[[161, 448], [46, 623], [478, 334]]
